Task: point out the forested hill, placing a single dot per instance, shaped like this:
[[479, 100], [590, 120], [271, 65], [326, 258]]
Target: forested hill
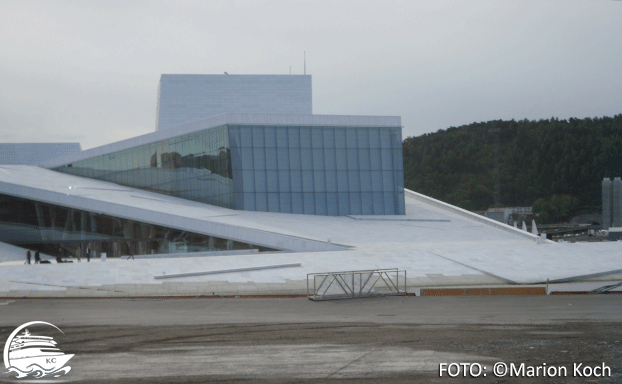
[[537, 160]]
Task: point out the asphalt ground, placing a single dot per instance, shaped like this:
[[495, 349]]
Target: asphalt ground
[[390, 339]]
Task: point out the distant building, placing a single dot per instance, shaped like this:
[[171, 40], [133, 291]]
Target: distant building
[[612, 202], [499, 214], [505, 215], [522, 210]]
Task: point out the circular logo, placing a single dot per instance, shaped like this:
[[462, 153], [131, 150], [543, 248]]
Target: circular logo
[[35, 355]]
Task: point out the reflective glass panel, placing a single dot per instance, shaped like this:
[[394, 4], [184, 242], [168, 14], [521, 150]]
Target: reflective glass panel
[[270, 137], [305, 137]]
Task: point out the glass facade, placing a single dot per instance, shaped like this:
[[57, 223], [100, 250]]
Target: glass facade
[[50, 228], [316, 170], [332, 171], [196, 167]]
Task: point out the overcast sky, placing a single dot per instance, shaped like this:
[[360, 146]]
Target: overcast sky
[[88, 71]]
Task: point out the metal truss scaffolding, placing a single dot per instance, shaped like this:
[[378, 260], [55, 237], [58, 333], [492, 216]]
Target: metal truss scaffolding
[[353, 284]]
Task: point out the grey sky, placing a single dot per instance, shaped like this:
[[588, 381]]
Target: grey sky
[[88, 71]]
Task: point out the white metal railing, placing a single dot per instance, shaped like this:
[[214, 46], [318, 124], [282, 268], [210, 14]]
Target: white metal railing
[[353, 284]]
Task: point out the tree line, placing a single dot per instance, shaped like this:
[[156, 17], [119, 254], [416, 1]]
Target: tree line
[[558, 164]]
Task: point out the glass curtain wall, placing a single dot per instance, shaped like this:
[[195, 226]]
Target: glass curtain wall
[[57, 230], [195, 166], [331, 171]]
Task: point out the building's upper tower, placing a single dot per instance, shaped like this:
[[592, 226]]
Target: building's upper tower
[[187, 98]]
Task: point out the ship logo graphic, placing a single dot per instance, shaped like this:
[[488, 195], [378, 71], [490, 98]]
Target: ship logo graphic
[[28, 355]]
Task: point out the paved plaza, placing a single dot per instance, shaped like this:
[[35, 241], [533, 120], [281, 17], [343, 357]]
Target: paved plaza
[[391, 339]]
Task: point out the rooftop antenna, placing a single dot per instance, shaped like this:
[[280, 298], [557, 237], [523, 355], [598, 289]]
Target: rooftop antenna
[[305, 60]]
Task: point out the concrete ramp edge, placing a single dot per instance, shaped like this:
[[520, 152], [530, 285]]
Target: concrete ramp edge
[[471, 215]]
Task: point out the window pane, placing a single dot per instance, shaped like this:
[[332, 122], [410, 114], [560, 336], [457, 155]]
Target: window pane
[[258, 137], [309, 203], [296, 181], [363, 137], [234, 137], [351, 137], [387, 160], [375, 161], [306, 158], [317, 138], [318, 179], [366, 181], [273, 202], [246, 134], [305, 137], [307, 181], [318, 159], [353, 159], [297, 206], [249, 201], [342, 181], [294, 158], [355, 203], [385, 138], [272, 181], [248, 181], [378, 203], [236, 159], [340, 138], [248, 161], [398, 161], [284, 185], [237, 180], [366, 203], [377, 183], [388, 185], [283, 158], [270, 137], [332, 208], [344, 204], [271, 158], [260, 181], [261, 202], [329, 159], [239, 201], [364, 160], [331, 181], [329, 138], [259, 158], [285, 202], [389, 207], [342, 161], [281, 137], [294, 137], [354, 181], [320, 203]]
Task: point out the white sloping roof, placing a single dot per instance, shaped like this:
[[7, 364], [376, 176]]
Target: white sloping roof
[[424, 225], [432, 238]]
